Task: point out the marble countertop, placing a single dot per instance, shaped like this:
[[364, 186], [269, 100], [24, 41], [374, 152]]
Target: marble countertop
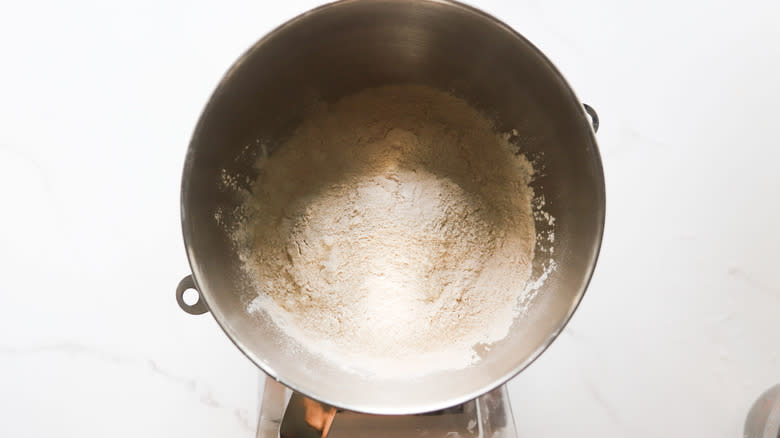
[[677, 335]]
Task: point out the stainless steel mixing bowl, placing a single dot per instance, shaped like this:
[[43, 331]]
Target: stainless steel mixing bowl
[[342, 48]]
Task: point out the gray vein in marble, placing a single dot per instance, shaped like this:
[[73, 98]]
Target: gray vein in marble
[[599, 398], [739, 273], [630, 140], [40, 171], [590, 386], [569, 331], [204, 392], [552, 28], [725, 318]]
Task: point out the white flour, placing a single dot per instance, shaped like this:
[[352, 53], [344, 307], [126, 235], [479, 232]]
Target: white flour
[[392, 232]]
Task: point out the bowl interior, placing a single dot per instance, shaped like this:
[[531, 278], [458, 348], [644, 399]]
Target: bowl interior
[[346, 47]]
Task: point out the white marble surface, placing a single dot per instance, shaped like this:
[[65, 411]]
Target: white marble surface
[[678, 333]]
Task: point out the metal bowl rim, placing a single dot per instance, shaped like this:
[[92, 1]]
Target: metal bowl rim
[[412, 408]]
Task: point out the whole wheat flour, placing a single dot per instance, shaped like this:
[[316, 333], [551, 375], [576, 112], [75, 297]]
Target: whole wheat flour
[[392, 233]]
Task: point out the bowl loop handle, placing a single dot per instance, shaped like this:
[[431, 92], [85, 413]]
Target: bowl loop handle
[[198, 307], [594, 118]]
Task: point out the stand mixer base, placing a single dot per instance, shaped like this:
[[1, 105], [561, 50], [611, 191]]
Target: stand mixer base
[[489, 415]]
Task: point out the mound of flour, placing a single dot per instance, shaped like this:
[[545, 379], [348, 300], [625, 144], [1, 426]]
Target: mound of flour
[[391, 233]]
